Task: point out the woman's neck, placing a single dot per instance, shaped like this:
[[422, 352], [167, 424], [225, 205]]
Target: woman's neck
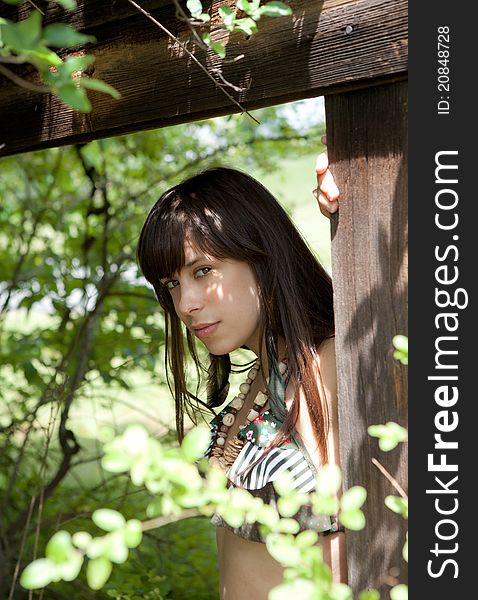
[[281, 352]]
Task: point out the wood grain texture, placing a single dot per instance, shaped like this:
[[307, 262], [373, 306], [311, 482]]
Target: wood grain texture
[[367, 144], [305, 55]]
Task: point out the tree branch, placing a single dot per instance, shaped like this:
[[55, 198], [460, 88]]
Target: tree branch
[[31, 87], [191, 55], [162, 521]]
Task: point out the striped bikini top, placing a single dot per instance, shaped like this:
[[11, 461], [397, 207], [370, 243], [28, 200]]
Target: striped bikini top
[[255, 467]]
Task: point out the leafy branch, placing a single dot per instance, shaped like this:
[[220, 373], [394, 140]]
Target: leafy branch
[[28, 42], [183, 485]]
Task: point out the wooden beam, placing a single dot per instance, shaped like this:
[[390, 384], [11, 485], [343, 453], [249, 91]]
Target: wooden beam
[[367, 142], [325, 47]]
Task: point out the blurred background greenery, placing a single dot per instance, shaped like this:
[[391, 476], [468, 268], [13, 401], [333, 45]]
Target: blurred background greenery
[[82, 335]]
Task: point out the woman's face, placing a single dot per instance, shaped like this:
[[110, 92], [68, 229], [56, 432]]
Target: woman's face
[[217, 300]]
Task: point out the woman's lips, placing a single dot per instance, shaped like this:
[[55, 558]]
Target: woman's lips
[[206, 331]]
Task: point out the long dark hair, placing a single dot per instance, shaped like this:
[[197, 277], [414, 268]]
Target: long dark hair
[[228, 214]]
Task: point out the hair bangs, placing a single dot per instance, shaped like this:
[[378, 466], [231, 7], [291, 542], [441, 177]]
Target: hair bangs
[[177, 218]]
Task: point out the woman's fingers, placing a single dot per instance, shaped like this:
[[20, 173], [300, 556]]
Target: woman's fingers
[[327, 192], [322, 163], [326, 207]]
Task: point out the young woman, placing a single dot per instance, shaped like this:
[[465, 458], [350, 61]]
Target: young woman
[[231, 270]]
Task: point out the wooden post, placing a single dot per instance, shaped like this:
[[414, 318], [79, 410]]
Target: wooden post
[[367, 142]]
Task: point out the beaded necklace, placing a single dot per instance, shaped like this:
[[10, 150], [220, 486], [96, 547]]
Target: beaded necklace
[[223, 455]]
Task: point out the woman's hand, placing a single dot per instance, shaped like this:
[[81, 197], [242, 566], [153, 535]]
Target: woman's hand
[[327, 193]]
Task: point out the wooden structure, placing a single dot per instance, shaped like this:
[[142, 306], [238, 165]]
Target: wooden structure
[[355, 53]]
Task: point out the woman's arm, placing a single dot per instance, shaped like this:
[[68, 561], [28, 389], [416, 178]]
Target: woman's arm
[[333, 544]]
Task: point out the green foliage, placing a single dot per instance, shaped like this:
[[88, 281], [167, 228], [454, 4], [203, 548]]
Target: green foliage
[[170, 475], [405, 549], [27, 41], [398, 505], [62, 562], [98, 572], [350, 515], [230, 22], [324, 500], [390, 435], [399, 592], [400, 343]]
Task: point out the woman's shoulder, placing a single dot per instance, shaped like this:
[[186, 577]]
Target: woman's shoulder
[[325, 359]]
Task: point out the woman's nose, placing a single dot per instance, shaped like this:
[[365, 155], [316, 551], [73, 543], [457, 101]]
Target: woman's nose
[[191, 299]]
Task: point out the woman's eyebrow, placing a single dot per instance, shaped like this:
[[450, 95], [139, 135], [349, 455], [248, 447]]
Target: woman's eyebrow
[[190, 263], [194, 260]]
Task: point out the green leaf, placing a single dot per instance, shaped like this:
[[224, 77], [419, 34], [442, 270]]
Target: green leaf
[[353, 519], [97, 547], [81, 539], [108, 519], [275, 9], [77, 63], [195, 443], [341, 591], [390, 435], [400, 342], [74, 96], [288, 506], [247, 26], [67, 4], [46, 56], [353, 498], [328, 480], [219, 49], [306, 538], [226, 14], [398, 505], [61, 35], [244, 5], [98, 572], [135, 439], [405, 550], [288, 526], [59, 548], [194, 7], [369, 595], [38, 574], [233, 517], [284, 484], [116, 461], [399, 592], [282, 548], [100, 86], [268, 516], [117, 549], [133, 533], [24, 35], [327, 505], [70, 569]]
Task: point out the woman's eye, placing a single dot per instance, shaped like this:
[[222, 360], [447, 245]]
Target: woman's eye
[[171, 284], [202, 271]]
